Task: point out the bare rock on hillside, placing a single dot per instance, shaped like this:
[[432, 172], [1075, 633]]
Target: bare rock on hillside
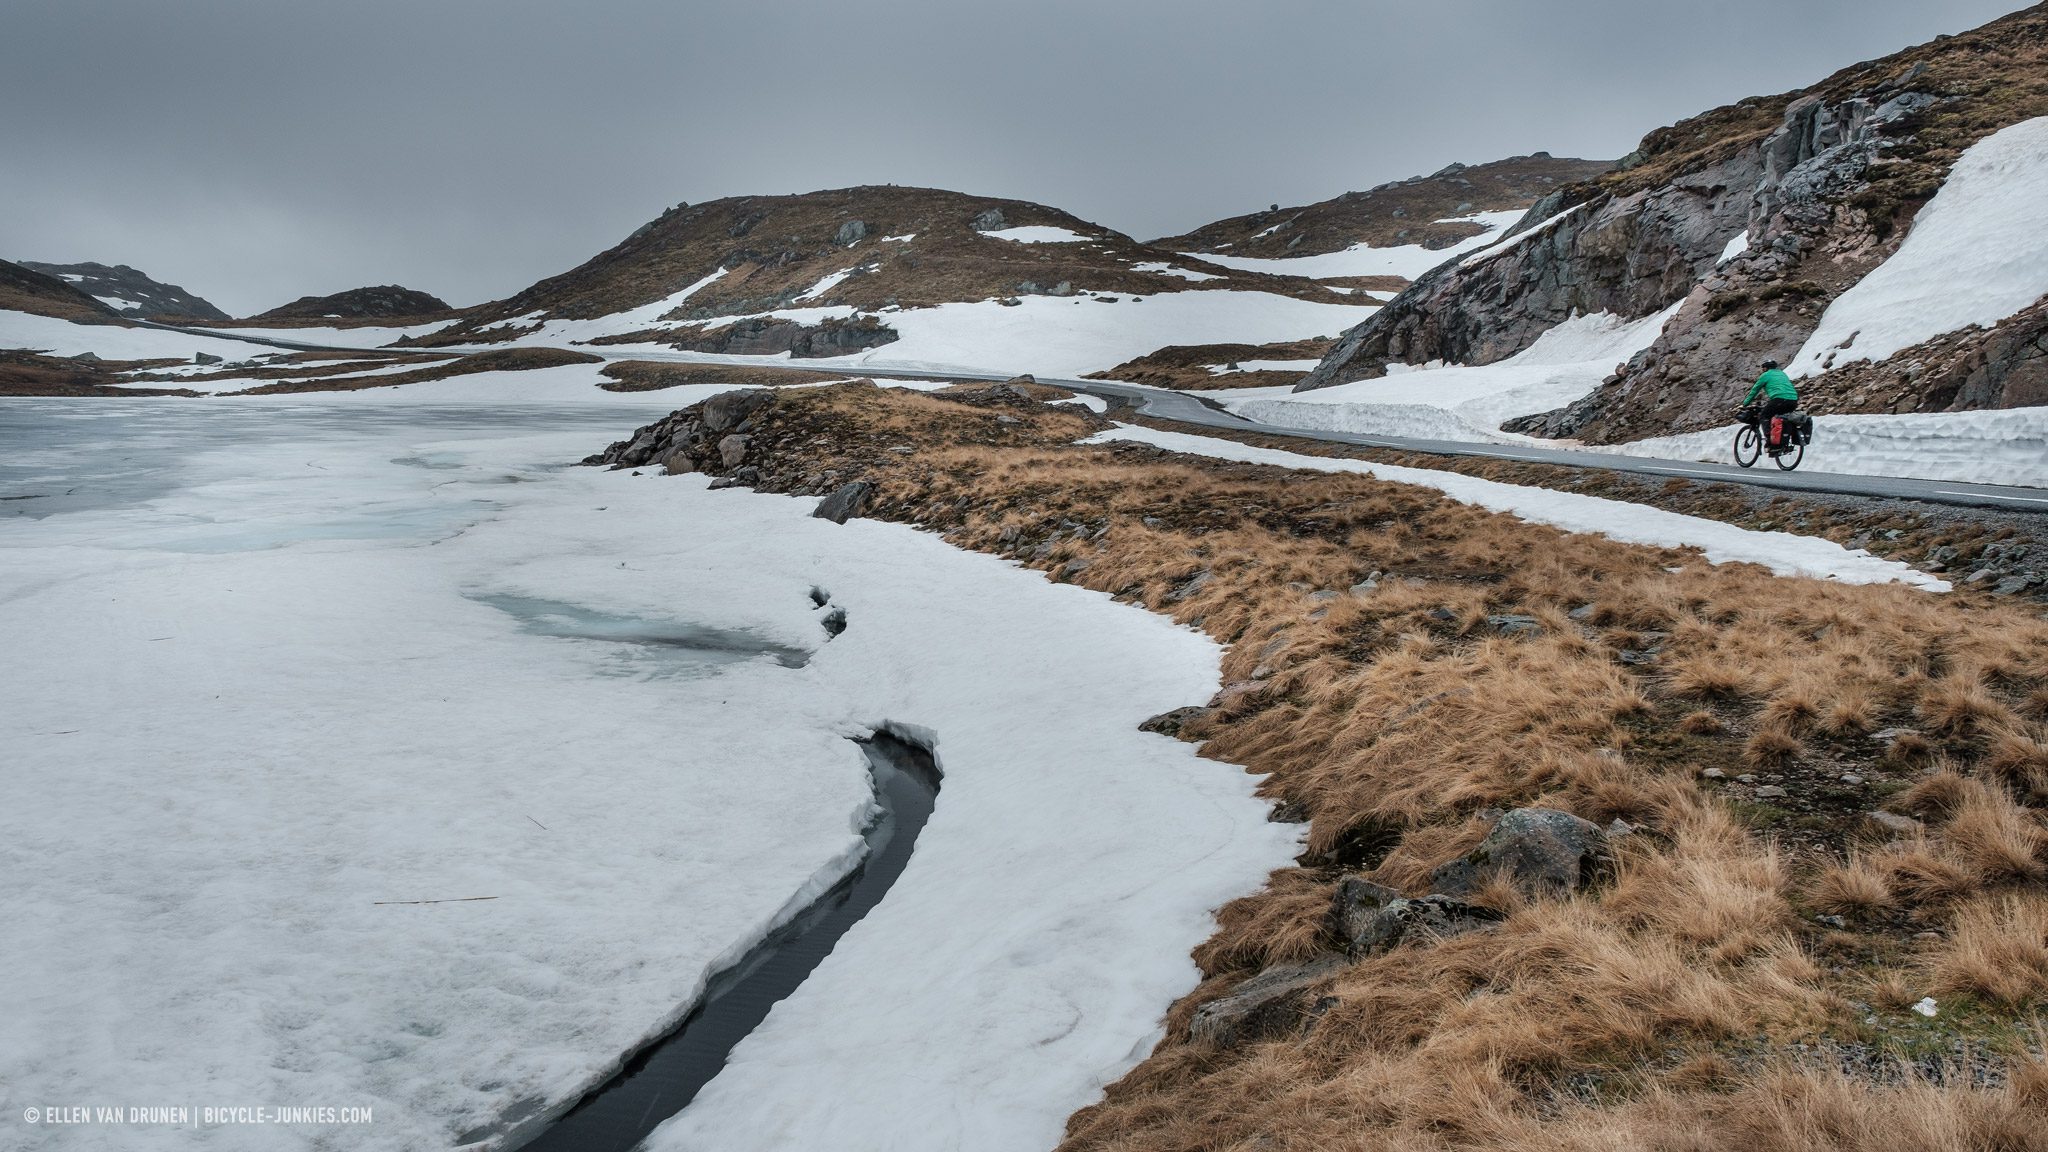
[[1542, 850], [851, 232], [726, 411], [989, 220], [1276, 1002], [1424, 918]]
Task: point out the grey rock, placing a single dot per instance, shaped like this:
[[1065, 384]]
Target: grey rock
[[678, 462], [733, 449], [1356, 905], [1365, 587], [1170, 723], [86, 356], [2013, 585], [1433, 917], [1508, 625], [833, 621], [1276, 1002], [1583, 612], [845, 503], [1712, 774], [1835, 922], [1063, 288], [851, 232], [1850, 778], [725, 411], [1891, 735], [205, 358], [1189, 586], [1770, 792], [1541, 850], [989, 220]]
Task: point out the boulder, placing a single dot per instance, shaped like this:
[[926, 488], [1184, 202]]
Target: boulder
[[844, 503], [851, 232], [733, 449], [1276, 1002], [678, 462], [205, 358], [989, 220], [723, 412], [1542, 850], [1356, 905], [1434, 917]]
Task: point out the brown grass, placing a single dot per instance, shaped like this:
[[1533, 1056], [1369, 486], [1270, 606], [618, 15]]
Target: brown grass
[[1656, 1011]]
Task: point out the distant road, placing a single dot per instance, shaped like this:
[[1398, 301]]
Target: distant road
[[1182, 408]]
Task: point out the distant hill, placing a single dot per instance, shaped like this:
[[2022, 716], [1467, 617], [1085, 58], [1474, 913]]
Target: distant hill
[[23, 289], [859, 250], [131, 293], [1757, 219], [1412, 211], [383, 302]]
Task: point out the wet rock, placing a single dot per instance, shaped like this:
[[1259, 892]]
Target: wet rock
[[723, 412], [733, 449], [1542, 850], [1276, 1002], [846, 502], [1170, 723]]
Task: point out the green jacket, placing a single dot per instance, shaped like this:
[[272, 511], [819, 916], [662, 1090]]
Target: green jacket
[[1774, 384]]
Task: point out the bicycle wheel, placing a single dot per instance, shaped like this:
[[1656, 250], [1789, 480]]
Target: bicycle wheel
[[1748, 445], [1791, 456]]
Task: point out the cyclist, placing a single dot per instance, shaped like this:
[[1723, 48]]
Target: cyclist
[[1779, 396]]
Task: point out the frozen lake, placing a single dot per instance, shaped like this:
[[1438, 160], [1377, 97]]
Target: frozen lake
[[370, 755]]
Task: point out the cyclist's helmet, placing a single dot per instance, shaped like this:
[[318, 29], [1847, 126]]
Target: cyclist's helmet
[[1770, 364]]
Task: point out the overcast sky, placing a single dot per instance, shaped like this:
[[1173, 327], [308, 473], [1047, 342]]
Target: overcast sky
[[254, 151]]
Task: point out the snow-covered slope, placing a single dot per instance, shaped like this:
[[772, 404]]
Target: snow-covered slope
[[60, 337], [1998, 446], [1977, 253], [1457, 402]]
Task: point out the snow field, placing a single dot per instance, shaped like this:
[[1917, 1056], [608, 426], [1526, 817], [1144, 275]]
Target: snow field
[[1977, 253], [253, 706], [1782, 552], [58, 337]]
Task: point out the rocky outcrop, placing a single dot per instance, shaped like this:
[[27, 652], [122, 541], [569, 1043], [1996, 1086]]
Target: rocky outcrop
[[844, 503], [767, 336]]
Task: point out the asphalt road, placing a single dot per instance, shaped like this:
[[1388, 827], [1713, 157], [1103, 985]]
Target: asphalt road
[[1181, 408]]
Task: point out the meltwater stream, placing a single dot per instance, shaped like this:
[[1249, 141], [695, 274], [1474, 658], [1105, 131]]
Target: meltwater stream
[[667, 1075]]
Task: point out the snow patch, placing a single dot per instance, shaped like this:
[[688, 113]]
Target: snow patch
[[1165, 269], [1457, 402], [1407, 260], [1039, 234], [1977, 253]]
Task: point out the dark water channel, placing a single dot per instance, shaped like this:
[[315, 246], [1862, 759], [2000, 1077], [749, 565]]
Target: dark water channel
[[666, 1076]]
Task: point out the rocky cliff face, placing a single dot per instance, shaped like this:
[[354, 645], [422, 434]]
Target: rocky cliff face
[[1754, 216]]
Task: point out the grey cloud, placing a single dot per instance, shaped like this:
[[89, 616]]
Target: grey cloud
[[259, 151]]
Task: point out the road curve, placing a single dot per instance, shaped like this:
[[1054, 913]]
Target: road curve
[[1182, 408]]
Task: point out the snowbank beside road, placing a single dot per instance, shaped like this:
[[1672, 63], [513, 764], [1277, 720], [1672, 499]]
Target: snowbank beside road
[[1977, 253], [1781, 552], [1995, 446]]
